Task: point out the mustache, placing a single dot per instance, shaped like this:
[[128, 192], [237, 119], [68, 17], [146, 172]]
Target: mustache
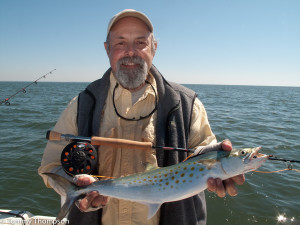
[[131, 59]]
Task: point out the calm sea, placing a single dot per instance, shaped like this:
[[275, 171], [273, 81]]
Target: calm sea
[[247, 115]]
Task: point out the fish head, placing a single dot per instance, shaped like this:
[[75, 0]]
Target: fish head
[[243, 160]]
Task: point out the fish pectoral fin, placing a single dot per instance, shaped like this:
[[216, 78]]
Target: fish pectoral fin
[[152, 209]]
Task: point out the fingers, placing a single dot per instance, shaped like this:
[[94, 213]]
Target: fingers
[[239, 179], [92, 200], [216, 185], [84, 180], [99, 201], [226, 145], [230, 187], [221, 187]]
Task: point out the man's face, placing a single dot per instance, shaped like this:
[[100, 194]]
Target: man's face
[[130, 53]]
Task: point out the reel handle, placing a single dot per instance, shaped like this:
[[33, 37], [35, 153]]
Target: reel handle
[[112, 142]]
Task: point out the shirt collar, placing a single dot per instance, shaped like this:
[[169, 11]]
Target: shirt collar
[[120, 89]]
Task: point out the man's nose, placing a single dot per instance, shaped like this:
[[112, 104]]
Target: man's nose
[[130, 51]]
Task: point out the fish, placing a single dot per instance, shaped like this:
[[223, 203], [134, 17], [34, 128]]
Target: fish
[[167, 184]]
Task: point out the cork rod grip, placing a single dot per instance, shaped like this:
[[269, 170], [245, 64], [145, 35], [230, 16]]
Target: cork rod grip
[[53, 136], [121, 143]]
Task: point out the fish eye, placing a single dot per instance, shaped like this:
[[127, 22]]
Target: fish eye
[[243, 152]]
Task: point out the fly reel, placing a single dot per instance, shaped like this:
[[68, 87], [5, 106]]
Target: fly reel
[[79, 158]]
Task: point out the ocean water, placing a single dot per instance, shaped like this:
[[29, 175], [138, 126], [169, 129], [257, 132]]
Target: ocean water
[[247, 115]]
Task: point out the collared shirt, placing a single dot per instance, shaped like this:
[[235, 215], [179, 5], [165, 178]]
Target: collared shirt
[[118, 162]]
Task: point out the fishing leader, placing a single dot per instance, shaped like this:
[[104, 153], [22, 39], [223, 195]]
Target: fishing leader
[[134, 101]]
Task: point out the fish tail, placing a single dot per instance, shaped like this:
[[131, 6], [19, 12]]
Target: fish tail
[[69, 189]]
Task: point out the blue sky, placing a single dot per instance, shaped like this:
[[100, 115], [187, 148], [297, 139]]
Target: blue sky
[[247, 42]]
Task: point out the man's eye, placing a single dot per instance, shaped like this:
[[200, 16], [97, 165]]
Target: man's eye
[[141, 43]]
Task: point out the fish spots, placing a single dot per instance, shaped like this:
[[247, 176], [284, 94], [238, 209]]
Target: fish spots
[[173, 178], [193, 168], [167, 183], [191, 175], [201, 169], [182, 175], [177, 181]]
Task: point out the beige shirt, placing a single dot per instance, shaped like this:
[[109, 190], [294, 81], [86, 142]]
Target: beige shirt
[[121, 162]]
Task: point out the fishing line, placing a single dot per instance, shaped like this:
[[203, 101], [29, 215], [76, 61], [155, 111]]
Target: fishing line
[[288, 161], [6, 100]]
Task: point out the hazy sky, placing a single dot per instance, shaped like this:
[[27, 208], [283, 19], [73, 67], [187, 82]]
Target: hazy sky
[[254, 42]]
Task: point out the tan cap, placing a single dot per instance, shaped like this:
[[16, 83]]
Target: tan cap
[[129, 12]]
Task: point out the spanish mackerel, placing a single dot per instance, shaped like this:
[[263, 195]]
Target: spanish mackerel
[[168, 184]]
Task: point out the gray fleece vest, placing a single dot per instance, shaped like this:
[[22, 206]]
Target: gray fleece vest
[[172, 129]]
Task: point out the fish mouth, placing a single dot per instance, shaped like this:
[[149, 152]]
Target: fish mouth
[[255, 154]]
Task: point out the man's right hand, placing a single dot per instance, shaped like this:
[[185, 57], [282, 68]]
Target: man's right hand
[[93, 200]]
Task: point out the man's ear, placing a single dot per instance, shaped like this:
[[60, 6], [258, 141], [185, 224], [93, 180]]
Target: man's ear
[[106, 46], [154, 49]]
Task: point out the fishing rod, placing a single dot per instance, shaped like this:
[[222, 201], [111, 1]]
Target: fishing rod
[[81, 157], [272, 157], [6, 101], [112, 142]]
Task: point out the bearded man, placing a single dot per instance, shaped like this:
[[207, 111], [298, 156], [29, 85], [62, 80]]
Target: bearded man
[[133, 101]]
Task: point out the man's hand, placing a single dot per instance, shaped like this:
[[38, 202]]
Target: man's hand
[[93, 200], [221, 187]]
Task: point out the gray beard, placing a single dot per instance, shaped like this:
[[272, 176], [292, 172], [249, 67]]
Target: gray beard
[[131, 78]]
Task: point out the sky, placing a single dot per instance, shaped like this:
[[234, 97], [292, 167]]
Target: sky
[[232, 42]]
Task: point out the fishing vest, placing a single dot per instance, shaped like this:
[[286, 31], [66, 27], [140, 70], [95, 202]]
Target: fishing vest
[[174, 113]]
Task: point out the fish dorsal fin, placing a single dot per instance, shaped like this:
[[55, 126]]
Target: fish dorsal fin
[[217, 155]]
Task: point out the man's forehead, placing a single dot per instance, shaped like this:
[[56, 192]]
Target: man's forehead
[[136, 38]]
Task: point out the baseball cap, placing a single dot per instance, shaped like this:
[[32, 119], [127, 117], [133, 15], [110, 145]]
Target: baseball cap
[[129, 12]]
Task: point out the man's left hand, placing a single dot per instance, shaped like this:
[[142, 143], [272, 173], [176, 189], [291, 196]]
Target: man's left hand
[[221, 187]]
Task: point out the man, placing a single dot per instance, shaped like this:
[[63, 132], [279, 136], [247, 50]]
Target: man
[[133, 101]]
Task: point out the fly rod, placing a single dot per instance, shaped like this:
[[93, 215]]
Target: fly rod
[[112, 142], [81, 157], [272, 157], [6, 100], [129, 144]]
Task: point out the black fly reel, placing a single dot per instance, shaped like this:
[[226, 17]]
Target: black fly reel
[[79, 158]]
